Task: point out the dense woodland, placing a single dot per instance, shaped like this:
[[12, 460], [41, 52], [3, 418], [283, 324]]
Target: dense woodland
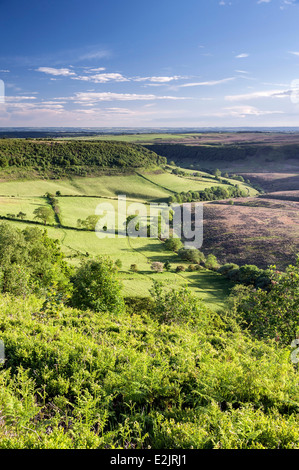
[[71, 154]]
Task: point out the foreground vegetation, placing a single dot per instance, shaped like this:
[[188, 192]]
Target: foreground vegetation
[[162, 374]]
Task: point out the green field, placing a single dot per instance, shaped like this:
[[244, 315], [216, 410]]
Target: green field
[[134, 186], [13, 205], [133, 138], [25, 196]]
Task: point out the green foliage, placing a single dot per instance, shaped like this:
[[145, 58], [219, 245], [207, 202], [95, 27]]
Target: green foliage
[[273, 313], [118, 263], [44, 213], [211, 262], [74, 156], [30, 261], [134, 268], [247, 274], [177, 305], [89, 223], [180, 269], [192, 255], [173, 244], [96, 287], [167, 374], [167, 266], [212, 193]]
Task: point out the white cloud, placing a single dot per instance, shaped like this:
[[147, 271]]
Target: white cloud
[[98, 54], [14, 99], [242, 56], [56, 72], [82, 97], [259, 94], [101, 78], [207, 83], [243, 111], [158, 79]]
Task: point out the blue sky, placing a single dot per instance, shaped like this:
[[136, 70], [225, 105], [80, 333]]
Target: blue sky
[[164, 63]]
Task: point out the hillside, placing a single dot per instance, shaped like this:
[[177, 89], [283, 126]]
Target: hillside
[[237, 156], [74, 157]]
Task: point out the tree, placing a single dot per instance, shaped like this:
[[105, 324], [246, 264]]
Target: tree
[[134, 268], [89, 223], [272, 313], [157, 266], [44, 213], [96, 287], [21, 215], [177, 305], [173, 244], [31, 260], [167, 266], [211, 262], [192, 255], [180, 268], [118, 263]]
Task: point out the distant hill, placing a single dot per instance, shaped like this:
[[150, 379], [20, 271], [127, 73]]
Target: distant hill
[[74, 157], [239, 156]]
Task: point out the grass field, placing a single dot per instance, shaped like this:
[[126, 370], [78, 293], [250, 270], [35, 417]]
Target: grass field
[[210, 286], [134, 186], [25, 196], [13, 205], [192, 183]]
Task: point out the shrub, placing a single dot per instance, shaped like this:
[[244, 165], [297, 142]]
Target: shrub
[[275, 313], [157, 267], [180, 268], [177, 305], [193, 255], [96, 287], [211, 262], [134, 268], [192, 267], [118, 263], [173, 244]]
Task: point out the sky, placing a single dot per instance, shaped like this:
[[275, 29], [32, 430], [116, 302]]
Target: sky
[[163, 63]]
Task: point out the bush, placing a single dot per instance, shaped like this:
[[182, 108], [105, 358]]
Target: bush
[[173, 244], [96, 287], [274, 313], [134, 268], [192, 267], [211, 262], [180, 269], [118, 264], [193, 255], [157, 267], [177, 305], [226, 268]]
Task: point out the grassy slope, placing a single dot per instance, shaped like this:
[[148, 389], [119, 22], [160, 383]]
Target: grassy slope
[[210, 286]]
